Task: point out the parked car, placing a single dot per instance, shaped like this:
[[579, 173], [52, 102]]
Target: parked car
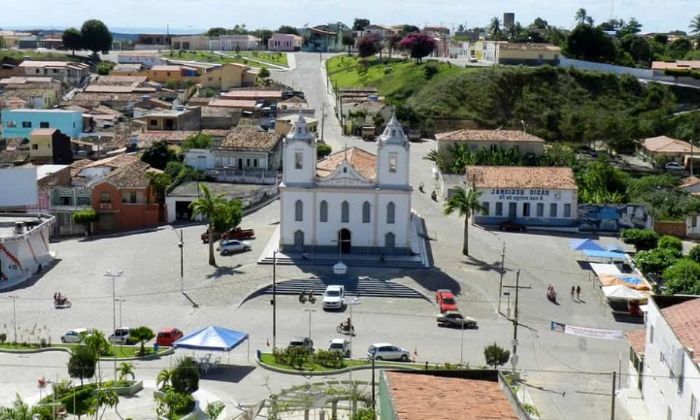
[[120, 336], [455, 319], [303, 342], [674, 166], [511, 226], [334, 297], [167, 336], [386, 351], [445, 300], [229, 246], [341, 345], [235, 233], [74, 335]]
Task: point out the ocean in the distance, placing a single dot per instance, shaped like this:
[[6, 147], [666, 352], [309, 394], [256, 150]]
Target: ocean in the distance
[[115, 29]]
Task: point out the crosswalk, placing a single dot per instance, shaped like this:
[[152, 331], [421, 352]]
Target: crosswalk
[[362, 287]]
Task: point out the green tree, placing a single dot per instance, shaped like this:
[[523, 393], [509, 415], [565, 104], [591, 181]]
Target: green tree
[[671, 242], [216, 31], [496, 355], [368, 45], [185, 376], [96, 36], [590, 43], [638, 48], [683, 277], [230, 217], [96, 342], [632, 27], [160, 181], [679, 48], [600, 183], [465, 203], [581, 16], [264, 73], [142, 335], [163, 379], [695, 25], [72, 39], [197, 141], [495, 32], [211, 207], [158, 155], [642, 239], [655, 261], [19, 410], [82, 363], [104, 399], [694, 254], [322, 150], [349, 40], [126, 369], [285, 29], [85, 217], [360, 24]]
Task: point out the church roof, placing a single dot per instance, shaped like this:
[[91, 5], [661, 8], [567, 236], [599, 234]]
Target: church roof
[[364, 162]]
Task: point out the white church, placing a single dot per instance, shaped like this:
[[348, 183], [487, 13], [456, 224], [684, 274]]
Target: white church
[[352, 199]]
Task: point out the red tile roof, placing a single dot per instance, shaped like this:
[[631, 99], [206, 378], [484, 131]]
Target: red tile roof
[[422, 397], [684, 320], [364, 162], [488, 135], [520, 177], [637, 339], [665, 144]]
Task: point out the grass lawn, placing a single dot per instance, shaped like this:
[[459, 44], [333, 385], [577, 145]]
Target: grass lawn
[[231, 57], [270, 57], [391, 76], [39, 55], [116, 351], [269, 359]]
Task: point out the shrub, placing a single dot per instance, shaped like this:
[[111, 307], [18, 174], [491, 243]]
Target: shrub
[[185, 376], [79, 401], [670, 242], [214, 409], [683, 277], [264, 73], [85, 217], [693, 255], [329, 359], [496, 355], [174, 404], [297, 357], [323, 150], [642, 239], [655, 261], [3, 338], [429, 71]]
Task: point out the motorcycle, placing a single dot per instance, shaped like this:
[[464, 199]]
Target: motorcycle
[[433, 195], [61, 302], [345, 328], [551, 294]]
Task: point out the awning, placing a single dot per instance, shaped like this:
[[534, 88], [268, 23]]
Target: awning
[[608, 255], [585, 244], [620, 292], [211, 338], [602, 269], [615, 248]]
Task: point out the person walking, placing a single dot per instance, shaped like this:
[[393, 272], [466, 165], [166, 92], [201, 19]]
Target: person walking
[[573, 290], [578, 292]]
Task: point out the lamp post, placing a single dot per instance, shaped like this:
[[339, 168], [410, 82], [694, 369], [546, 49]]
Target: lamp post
[[309, 310], [113, 276], [14, 314], [120, 310], [274, 300], [352, 302], [461, 345], [181, 245]]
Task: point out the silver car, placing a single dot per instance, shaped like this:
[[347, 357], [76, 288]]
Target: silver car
[[386, 351], [229, 246]]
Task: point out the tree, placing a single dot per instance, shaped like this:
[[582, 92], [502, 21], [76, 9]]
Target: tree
[[19, 410], [419, 44], [642, 239], [349, 40], [638, 47], [683, 277], [495, 32], [360, 24], [322, 150], [368, 45], [694, 254], [211, 207], [465, 203], [230, 217], [671, 242], [216, 31], [588, 43], [695, 25], [141, 335], [632, 27], [160, 181], [679, 48], [581, 16], [125, 370], [82, 363], [393, 42], [185, 376], [96, 342], [655, 261], [104, 398], [85, 217], [158, 155], [72, 39], [496, 355], [197, 141], [163, 379], [264, 73], [285, 29], [96, 36]]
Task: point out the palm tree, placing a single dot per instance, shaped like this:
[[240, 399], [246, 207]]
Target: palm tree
[[581, 16], [465, 203], [210, 207], [126, 369], [19, 410], [695, 28], [163, 379], [495, 28]]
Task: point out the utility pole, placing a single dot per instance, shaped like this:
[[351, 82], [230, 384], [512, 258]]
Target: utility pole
[[120, 311], [274, 300], [14, 315], [181, 245], [517, 287], [612, 407], [500, 282], [113, 276], [374, 401], [323, 118], [309, 310]]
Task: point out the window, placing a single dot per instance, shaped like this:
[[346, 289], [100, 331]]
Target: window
[[540, 209], [105, 197], [11, 124], [390, 210], [485, 204], [693, 405], [526, 209], [83, 201], [694, 221], [567, 210], [153, 122], [298, 160], [43, 124], [299, 211], [247, 162], [365, 212], [392, 164], [35, 147], [26, 124], [553, 210], [132, 197], [324, 211], [255, 163], [345, 212], [499, 209], [651, 334]]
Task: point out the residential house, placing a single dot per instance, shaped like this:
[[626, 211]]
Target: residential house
[[47, 177], [49, 145], [284, 42], [284, 124], [190, 42], [382, 31], [447, 394], [324, 38], [234, 43], [70, 73], [153, 41], [243, 105], [37, 92], [219, 118], [28, 42], [228, 76], [51, 43], [663, 148], [173, 119], [676, 68], [145, 58], [528, 54], [125, 199], [19, 123], [294, 105], [101, 168], [266, 95], [173, 73], [128, 69], [489, 139]]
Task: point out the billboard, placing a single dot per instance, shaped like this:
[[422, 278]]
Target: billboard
[[18, 187]]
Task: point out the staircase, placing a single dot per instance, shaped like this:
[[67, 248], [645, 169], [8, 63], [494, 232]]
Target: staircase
[[363, 287]]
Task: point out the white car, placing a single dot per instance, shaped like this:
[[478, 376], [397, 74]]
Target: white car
[[120, 336], [334, 297], [341, 345], [674, 166], [74, 335], [229, 246], [386, 351]]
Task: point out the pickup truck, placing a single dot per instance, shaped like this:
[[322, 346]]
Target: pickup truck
[[235, 233]]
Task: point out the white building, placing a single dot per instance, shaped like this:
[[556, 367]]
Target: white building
[[670, 388], [68, 72], [540, 196], [24, 246], [145, 58], [353, 198]]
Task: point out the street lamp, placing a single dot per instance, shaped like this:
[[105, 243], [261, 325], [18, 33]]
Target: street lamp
[[309, 310], [274, 300], [120, 311], [14, 314], [352, 302], [181, 245], [113, 276]]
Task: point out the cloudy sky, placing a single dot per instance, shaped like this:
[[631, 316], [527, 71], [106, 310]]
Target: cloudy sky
[[655, 15]]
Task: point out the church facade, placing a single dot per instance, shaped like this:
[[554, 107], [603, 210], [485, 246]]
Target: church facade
[[352, 199]]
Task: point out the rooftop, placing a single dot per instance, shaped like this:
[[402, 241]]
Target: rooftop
[[42, 171], [425, 396], [232, 103], [243, 138], [44, 131], [165, 67], [676, 65], [364, 162], [21, 80], [77, 165], [684, 320], [271, 94], [190, 189], [53, 64], [637, 339], [488, 136], [666, 144], [114, 162], [133, 175], [529, 46], [689, 181], [520, 177]]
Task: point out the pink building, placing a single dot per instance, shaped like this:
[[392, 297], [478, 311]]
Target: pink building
[[284, 42]]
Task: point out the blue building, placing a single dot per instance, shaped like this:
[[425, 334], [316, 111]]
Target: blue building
[[19, 123]]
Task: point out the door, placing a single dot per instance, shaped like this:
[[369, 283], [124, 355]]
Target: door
[[512, 209], [344, 240], [299, 241]]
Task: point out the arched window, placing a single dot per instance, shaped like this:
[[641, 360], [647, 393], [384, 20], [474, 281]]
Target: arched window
[[390, 210], [365, 212], [345, 212], [389, 240], [324, 211], [299, 211]]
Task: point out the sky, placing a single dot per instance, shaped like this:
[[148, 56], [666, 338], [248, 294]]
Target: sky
[[655, 15]]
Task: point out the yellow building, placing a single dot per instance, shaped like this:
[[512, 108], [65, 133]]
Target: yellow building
[[176, 73], [228, 76], [49, 145]]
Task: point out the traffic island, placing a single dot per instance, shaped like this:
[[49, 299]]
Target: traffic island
[[118, 353], [312, 366]]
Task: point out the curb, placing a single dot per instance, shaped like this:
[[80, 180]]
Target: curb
[[331, 372], [106, 359]]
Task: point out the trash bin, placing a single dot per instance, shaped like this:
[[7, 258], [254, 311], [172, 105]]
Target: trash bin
[[156, 347]]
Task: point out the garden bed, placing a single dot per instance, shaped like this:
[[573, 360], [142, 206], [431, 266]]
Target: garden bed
[[310, 367], [116, 351]]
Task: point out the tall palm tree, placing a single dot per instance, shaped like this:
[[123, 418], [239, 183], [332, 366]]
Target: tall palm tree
[[695, 29], [465, 203], [495, 28], [209, 206], [581, 16]]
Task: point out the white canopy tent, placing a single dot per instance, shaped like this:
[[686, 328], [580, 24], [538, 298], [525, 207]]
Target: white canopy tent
[[622, 293]]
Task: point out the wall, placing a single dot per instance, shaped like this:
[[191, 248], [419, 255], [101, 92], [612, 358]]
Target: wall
[[670, 228], [18, 187], [126, 216], [519, 196], [69, 122], [612, 217], [536, 148], [20, 255]]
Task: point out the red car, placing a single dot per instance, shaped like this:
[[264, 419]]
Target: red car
[[167, 336], [445, 300]]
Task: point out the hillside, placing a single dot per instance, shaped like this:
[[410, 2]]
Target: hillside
[[554, 103]]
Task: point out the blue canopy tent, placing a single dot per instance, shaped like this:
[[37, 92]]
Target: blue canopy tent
[[585, 245], [606, 255], [212, 338]]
